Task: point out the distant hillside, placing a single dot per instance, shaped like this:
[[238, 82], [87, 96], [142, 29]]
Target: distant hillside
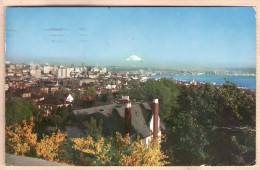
[[247, 70]]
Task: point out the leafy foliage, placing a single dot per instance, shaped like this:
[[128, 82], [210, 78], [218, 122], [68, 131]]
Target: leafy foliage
[[164, 90], [142, 155], [18, 109], [94, 127], [119, 151], [90, 92], [52, 147], [212, 125], [20, 139], [58, 116], [119, 146], [96, 150]]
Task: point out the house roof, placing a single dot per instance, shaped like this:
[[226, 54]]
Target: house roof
[[113, 118], [69, 98], [138, 122], [35, 96], [51, 100], [20, 92]]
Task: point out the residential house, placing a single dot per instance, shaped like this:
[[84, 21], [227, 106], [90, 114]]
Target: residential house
[[50, 87], [51, 103], [21, 93], [123, 118]]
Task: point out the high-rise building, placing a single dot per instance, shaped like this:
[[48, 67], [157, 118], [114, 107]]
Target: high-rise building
[[62, 73], [69, 70]]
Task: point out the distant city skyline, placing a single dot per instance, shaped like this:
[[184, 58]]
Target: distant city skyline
[[165, 37]]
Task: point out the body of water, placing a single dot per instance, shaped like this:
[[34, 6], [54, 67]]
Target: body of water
[[242, 81]]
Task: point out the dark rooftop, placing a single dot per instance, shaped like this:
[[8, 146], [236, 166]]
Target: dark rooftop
[[52, 101], [113, 118]]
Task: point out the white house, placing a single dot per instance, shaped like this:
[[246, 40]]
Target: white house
[[69, 99]]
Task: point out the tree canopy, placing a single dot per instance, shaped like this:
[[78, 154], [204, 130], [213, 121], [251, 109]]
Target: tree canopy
[[213, 125], [58, 116], [119, 151], [164, 90], [18, 109], [90, 92]]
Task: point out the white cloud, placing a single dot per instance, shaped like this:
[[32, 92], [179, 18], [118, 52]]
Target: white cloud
[[134, 58]]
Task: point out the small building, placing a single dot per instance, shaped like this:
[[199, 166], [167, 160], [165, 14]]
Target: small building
[[69, 99], [50, 87], [86, 81], [36, 98], [51, 103], [21, 93]]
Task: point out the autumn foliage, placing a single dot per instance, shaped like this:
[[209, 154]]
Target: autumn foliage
[[120, 144], [140, 154], [96, 149], [20, 139], [118, 150], [51, 147]]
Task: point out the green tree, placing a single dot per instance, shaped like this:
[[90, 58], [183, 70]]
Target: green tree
[[90, 92], [233, 137], [94, 127], [18, 109], [164, 89], [212, 125], [55, 120], [63, 112], [76, 95], [58, 116]]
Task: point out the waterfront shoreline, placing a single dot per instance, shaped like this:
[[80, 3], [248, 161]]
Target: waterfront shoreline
[[248, 82]]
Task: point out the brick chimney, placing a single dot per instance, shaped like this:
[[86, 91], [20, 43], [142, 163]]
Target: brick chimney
[[11, 88], [64, 100], [128, 115], [125, 99], [155, 117]]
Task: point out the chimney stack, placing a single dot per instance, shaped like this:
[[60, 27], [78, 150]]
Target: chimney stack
[[64, 100], [11, 88], [128, 115], [155, 117], [125, 99]]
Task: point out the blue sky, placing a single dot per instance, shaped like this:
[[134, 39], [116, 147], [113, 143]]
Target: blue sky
[[168, 37]]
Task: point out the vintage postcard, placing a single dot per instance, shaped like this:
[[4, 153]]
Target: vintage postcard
[[130, 86]]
